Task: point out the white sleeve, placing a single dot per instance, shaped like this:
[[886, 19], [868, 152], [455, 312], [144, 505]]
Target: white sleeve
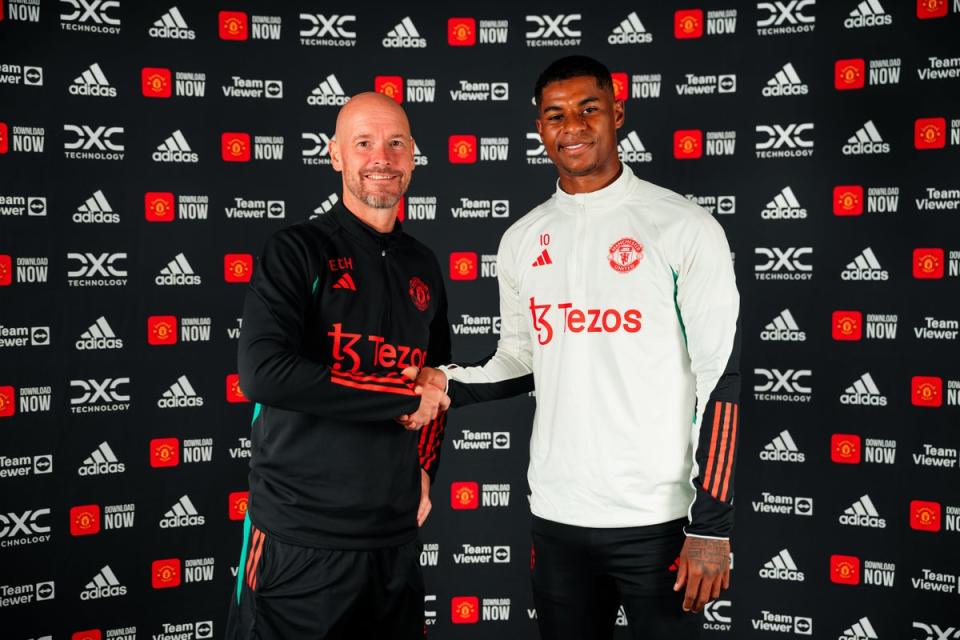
[[509, 370]]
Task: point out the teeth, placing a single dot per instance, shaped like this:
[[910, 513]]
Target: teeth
[[379, 177]]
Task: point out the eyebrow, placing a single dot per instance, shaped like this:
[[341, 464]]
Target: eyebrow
[[583, 102], [392, 136]]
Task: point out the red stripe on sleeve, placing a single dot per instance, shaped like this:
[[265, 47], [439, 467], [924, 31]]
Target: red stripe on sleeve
[[715, 489], [733, 442], [713, 444], [403, 391]]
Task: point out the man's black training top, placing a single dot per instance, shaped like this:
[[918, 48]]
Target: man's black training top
[[334, 312]]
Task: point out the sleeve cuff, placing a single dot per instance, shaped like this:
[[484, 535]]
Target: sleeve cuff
[[697, 535]]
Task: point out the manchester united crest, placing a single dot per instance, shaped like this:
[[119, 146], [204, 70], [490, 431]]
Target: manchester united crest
[[625, 255], [419, 293]]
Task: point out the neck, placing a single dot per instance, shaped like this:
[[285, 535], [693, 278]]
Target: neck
[[382, 220], [593, 182]]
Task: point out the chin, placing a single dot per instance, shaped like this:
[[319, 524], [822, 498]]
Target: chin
[[579, 171]]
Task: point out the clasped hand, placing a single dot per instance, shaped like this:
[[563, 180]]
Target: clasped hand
[[430, 386]]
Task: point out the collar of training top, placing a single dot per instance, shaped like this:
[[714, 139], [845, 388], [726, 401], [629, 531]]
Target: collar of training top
[[611, 194], [366, 235]]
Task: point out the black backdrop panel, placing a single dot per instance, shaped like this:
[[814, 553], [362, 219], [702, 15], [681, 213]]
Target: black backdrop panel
[[148, 149]]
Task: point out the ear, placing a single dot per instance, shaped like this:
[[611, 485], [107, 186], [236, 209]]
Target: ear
[[335, 159], [619, 113], [413, 153], [539, 126]]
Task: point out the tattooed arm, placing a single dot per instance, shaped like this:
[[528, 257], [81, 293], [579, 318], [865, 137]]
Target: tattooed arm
[[705, 568]]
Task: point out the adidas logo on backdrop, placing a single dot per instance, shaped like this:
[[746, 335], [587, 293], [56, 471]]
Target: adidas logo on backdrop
[[785, 82], [630, 31], [92, 82], [177, 272], [328, 93], [98, 336]]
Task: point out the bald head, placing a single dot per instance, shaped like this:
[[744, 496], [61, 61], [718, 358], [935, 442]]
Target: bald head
[[370, 106], [374, 150]]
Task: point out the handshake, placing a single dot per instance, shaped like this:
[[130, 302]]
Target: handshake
[[431, 385]]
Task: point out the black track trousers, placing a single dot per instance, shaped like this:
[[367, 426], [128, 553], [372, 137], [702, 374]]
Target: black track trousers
[[581, 575], [286, 592]]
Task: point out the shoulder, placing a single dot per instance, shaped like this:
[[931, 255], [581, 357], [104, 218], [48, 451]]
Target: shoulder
[[528, 221], [667, 208]]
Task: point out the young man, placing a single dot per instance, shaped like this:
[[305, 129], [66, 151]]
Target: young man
[[337, 308], [619, 297]]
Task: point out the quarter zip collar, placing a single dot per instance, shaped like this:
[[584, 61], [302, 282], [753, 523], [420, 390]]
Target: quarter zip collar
[[364, 234], [610, 195]]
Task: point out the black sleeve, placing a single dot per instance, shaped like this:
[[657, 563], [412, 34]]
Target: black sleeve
[[439, 352], [462, 394], [716, 456], [272, 369]]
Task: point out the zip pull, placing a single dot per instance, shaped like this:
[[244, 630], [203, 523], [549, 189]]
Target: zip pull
[[383, 253]]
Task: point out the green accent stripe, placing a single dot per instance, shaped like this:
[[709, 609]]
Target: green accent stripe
[[257, 408], [676, 306], [316, 281], [243, 553]]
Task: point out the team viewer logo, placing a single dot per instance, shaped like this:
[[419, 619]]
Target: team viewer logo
[[464, 495]]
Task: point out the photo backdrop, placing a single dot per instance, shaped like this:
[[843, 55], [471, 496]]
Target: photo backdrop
[[148, 149]]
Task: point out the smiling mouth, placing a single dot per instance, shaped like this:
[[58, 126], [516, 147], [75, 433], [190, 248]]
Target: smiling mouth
[[575, 148], [381, 177]]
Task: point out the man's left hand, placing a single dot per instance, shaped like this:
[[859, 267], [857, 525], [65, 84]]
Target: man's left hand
[[704, 565], [425, 505]]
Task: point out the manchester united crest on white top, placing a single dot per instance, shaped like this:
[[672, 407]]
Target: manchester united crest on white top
[[625, 255]]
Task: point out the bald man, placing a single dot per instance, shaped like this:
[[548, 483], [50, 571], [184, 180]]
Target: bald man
[[338, 309]]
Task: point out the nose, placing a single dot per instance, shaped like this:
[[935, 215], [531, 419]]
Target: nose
[[574, 124], [380, 155]]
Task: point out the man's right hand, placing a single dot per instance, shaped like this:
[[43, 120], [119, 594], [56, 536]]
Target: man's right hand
[[433, 400], [429, 376]]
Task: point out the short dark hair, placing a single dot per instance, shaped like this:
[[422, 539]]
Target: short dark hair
[[573, 67]]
